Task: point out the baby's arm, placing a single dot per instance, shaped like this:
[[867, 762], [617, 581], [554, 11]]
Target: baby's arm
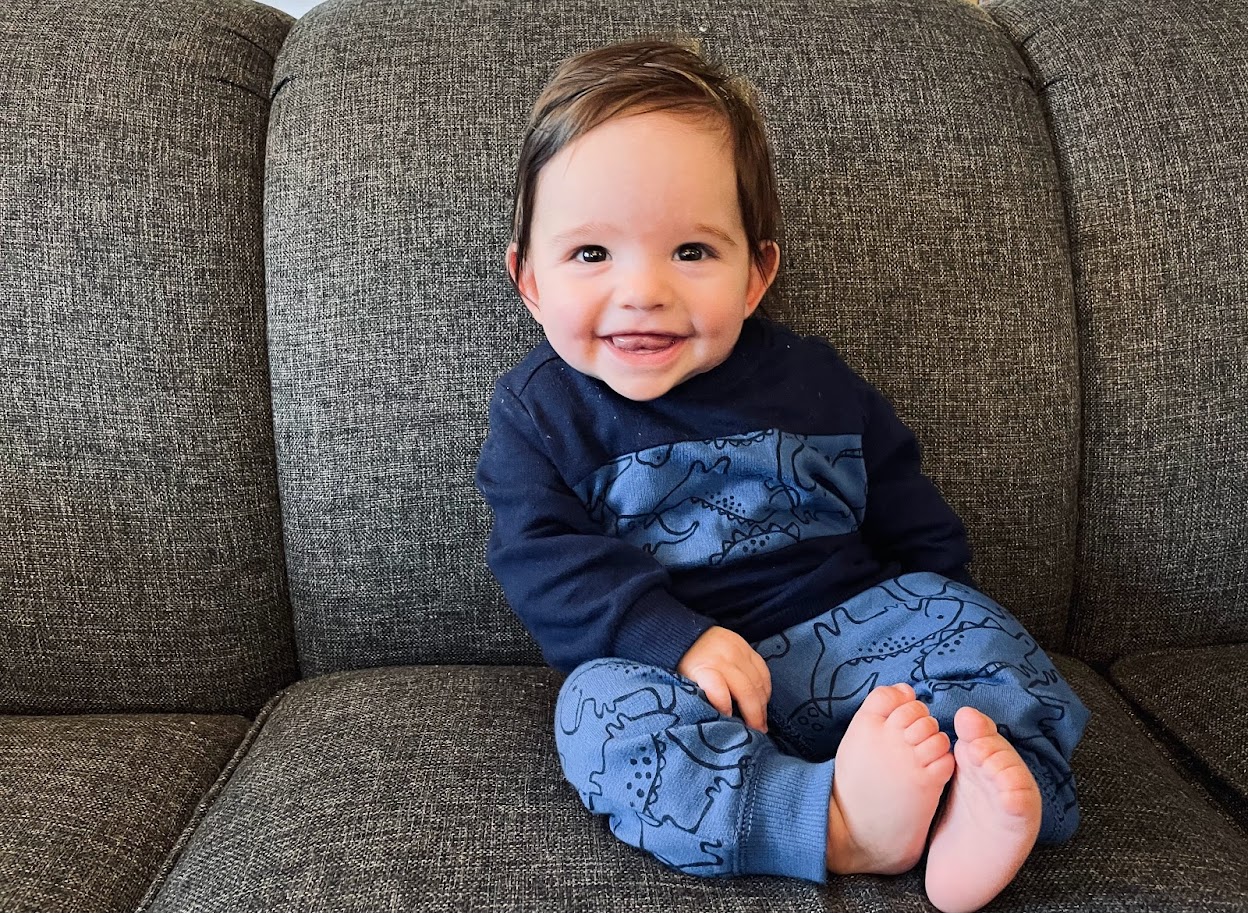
[[907, 519], [582, 594], [728, 669]]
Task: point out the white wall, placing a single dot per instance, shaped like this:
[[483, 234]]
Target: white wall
[[294, 7]]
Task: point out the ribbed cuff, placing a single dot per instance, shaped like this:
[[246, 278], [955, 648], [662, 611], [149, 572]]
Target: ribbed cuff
[[659, 629], [785, 831]]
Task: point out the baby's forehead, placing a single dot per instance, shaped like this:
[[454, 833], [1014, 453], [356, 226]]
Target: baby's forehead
[[656, 151], [656, 129]]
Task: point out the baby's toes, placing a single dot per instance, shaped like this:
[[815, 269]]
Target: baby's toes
[[932, 749], [1001, 761], [904, 719], [885, 700], [972, 725], [921, 729]]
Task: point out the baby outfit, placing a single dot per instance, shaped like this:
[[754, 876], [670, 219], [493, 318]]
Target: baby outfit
[[777, 495]]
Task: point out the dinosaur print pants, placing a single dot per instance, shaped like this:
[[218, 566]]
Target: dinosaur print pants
[[706, 795]]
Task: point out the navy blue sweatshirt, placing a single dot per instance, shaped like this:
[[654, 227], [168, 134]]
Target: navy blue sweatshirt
[[755, 496]]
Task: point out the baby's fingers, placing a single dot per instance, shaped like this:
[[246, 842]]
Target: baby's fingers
[[751, 696], [764, 677], [716, 688]]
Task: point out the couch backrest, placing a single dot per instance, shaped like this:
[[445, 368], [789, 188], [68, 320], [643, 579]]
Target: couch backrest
[[925, 237], [1149, 109], [140, 541]]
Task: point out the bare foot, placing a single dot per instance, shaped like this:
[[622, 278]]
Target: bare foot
[[989, 823], [891, 768]]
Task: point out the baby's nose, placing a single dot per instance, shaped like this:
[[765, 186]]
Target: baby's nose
[[643, 290]]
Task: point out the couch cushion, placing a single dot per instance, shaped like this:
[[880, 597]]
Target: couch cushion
[[1148, 100], [91, 805], [1197, 698], [924, 236], [140, 542], [438, 788]]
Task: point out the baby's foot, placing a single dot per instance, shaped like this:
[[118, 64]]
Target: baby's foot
[[891, 768], [989, 823]]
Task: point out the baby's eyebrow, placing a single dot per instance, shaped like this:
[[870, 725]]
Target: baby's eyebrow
[[722, 235], [580, 233], [590, 230]]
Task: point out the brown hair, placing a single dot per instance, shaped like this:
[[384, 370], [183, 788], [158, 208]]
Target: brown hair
[[639, 77]]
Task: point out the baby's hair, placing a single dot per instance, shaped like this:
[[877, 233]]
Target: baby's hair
[[638, 77]]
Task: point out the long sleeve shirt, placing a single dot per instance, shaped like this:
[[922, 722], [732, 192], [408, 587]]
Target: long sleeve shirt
[[754, 496]]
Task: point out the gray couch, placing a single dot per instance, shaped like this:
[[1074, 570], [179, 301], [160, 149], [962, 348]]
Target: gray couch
[[251, 306]]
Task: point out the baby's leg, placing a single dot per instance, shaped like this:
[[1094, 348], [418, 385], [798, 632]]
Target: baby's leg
[[1016, 724], [989, 823], [957, 648], [891, 768], [892, 760], [699, 791], [986, 660]]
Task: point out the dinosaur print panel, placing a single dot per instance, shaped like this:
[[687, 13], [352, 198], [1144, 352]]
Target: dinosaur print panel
[[707, 503]]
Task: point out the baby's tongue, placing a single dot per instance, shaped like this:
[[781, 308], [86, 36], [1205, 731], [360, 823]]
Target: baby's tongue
[[642, 342]]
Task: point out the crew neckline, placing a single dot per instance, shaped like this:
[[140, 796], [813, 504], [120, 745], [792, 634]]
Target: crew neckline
[[739, 367]]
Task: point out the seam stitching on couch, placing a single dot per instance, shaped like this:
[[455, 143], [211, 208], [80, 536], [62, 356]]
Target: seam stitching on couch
[[206, 802], [1020, 42], [1221, 794]]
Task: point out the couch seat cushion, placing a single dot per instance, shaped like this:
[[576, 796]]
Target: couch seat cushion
[[91, 805], [1196, 699], [438, 788]]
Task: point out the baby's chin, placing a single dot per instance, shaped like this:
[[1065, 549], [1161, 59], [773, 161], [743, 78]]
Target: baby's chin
[[645, 389], [640, 394]]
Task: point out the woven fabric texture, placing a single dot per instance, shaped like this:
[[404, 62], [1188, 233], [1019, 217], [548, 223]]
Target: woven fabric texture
[[1149, 108], [924, 237], [1197, 698], [140, 537], [435, 788], [90, 805]]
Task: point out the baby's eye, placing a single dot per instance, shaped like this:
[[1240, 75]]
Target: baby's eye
[[590, 253], [690, 253]]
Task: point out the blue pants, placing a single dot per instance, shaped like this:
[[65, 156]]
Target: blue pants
[[708, 796]]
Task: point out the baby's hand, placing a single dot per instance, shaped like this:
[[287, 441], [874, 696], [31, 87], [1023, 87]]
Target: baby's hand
[[727, 668]]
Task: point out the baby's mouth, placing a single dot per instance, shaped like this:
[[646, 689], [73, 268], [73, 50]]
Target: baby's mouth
[[643, 342]]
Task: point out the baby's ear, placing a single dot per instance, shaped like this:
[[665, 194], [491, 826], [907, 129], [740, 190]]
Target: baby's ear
[[762, 272], [522, 279]]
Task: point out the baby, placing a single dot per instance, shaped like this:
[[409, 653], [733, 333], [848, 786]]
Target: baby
[[778, 661]]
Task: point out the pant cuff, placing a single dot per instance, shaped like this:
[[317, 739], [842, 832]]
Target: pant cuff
[[785, 831]]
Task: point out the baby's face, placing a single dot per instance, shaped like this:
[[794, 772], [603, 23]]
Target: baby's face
[[639, 269]]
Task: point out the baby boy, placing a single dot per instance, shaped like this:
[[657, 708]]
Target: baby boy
[[778, 663]]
